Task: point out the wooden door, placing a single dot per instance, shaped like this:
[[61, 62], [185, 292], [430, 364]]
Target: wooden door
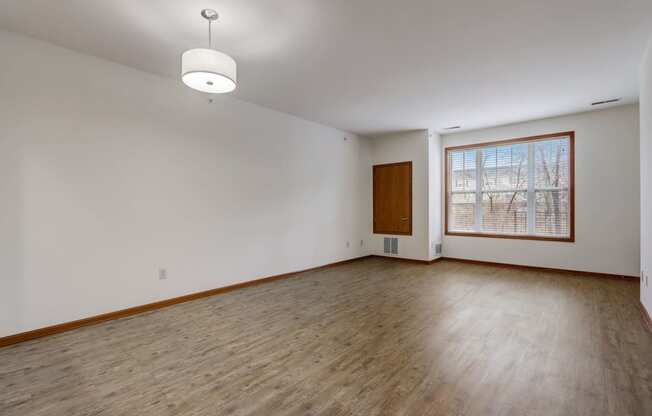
[[393, 198]]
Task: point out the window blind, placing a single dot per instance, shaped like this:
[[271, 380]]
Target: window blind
[[518, 188]]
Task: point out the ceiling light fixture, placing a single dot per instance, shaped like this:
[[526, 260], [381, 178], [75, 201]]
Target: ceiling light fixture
[[208, 70], [613, 100]]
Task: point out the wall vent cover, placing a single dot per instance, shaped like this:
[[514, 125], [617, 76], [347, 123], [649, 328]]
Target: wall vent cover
[[394, 245], [390, 245], [438, 248]]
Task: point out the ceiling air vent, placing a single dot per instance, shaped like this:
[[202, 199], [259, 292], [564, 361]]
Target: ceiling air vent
[[613, 100], [452, 128]]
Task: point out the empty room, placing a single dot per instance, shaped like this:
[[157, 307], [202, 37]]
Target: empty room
[[302, 207]]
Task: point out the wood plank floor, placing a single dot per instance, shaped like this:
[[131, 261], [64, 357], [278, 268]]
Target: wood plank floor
[[373, 337]]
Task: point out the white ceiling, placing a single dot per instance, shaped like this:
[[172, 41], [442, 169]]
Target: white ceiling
[[371, 66]]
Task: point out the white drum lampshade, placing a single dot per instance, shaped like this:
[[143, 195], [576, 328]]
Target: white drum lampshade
[[208, 70]]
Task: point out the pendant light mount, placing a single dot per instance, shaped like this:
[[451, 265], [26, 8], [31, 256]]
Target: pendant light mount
[[210, 15]]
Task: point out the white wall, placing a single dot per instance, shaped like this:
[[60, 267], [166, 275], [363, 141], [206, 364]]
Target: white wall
[[108, 174], [434, 192], [606, 229], [402, 147], [646, 178]]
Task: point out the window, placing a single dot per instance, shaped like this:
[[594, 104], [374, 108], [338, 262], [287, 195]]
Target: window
[[519, 188]]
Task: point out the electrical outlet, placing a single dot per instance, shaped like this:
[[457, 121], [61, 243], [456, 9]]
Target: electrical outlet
[[162, 274]]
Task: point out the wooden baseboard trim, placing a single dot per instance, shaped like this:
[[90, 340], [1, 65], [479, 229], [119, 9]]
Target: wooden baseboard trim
[[93, 320], [407, 260], [647, 320], [544, 269]]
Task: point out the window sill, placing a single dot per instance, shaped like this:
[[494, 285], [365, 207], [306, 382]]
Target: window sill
[[570, 239]]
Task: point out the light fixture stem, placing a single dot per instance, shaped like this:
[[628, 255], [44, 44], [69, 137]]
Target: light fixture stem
[[210, 45]]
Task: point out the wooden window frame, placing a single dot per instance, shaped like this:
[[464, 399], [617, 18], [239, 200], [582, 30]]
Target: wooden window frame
[[529, 139], [373, 198]]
